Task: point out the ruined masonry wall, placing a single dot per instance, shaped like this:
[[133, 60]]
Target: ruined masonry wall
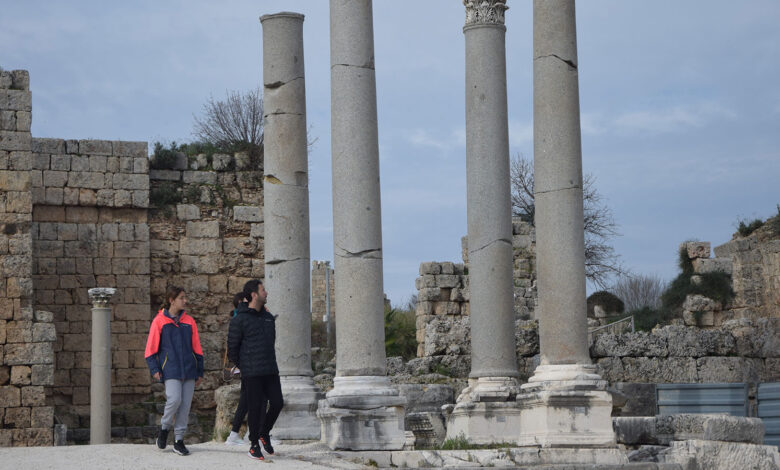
[[26, 354], [318, 291]]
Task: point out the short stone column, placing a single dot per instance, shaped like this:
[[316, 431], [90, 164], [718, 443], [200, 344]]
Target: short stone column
[[286, 185], [565, 402], [486, 412], [100, 380], [363, 411]]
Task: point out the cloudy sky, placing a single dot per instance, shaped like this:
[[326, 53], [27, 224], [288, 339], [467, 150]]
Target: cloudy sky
[[680, 105]]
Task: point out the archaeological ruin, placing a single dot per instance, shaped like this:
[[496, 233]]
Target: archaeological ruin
[[93, 231]]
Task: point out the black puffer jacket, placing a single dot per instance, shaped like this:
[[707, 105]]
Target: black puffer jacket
[[251, 337]]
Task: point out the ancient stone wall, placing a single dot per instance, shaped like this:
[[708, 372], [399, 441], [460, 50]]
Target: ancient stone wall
[[755, 267], [26, 336], [318, 290], [443, 296]]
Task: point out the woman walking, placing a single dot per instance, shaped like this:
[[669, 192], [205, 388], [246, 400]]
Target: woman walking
[[174, 357]]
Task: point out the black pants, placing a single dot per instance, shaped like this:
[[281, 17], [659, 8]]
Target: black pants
[[261, 391], [238, 418]]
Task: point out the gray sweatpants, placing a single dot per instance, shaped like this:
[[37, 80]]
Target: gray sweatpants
[[178, 398]]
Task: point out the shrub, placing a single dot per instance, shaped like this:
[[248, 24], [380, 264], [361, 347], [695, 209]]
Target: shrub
[[164, 158], [165, 194], [609, 301], [400, 333], [646, 318], [774, 223], [638, 291], [746, 229]]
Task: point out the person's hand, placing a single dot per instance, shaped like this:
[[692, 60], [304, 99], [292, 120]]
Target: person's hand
[[157, 376], [198, 381]]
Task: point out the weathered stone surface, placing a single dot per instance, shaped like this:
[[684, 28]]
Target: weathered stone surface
[[729, 369], [248, 214], [714, 455], [426, 397], [95, 147], [208, 229], [697, 249], [629, 344], [658, 370], [448, 336], [685, 341], [10, 396], [30, 353], [527, 337]]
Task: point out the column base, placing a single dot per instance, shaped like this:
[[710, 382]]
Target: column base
[[362, 413], [298, 419], [486, 412], [566, 405]]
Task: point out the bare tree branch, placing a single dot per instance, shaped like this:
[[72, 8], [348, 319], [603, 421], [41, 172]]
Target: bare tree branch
[[640, 291], [601, 261], [233, 124]]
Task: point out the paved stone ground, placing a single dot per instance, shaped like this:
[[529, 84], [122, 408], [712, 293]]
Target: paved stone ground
[[209, 455]]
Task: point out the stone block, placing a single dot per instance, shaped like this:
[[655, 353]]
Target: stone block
[[53, 196], [257, 230], [187, 212], [21, 161], [165, 175], [141, 165], [629, 344], [19, 332], [140, 199], [42, 374], [248, 214], [710, 265], [8, 120], [131, 182], [98, 163], [697, 249], [95, 147], [430, 268], [20, 375], [41, 161], [239, 245], [10, 396], [729, 369], [209, 229], [136, 249], [79, 163], [42, 417], [33, 395], [16, 100], [85, 179], [122, 148], [19, 202], [13, 180], [199, 246], [60, 163], [447, 280], [17, 418], [429, 294], [43, 332], [20, 80], [12, 140], [199, 177]]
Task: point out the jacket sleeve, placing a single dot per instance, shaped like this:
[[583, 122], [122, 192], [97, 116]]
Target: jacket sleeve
[[235, 336], [196, 349], [153, 347]]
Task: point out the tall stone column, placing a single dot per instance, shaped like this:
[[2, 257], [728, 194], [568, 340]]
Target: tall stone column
[[286, 186], [486, 411], [565, 403], [363, 411], [100, 380]]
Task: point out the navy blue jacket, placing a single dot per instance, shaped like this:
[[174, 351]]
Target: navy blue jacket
[[173, 348]]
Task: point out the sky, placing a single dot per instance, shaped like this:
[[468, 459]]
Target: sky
[[679, 103]]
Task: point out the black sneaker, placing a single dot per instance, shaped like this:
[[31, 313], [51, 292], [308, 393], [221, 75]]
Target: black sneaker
[[162, 438], [255, 452], [179, 448], [265, 439]]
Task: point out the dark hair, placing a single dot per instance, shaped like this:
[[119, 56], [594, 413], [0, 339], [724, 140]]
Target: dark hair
[[249, 287], [238, 298], [170, 294]]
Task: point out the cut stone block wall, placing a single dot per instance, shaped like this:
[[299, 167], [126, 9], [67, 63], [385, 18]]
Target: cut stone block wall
[[26, 336], [318, 290]]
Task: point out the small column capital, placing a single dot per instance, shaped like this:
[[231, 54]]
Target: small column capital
[[100, 296], [485, 12]]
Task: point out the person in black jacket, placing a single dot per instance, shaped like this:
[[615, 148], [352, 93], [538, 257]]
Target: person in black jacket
[[251, 338]]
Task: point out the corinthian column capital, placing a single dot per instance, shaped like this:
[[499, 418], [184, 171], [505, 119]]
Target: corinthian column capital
[[485, 12]]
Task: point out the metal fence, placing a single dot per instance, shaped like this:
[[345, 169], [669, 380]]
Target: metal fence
[[768, 398], [729, 399]]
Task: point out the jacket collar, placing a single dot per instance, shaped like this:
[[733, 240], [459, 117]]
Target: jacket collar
[[243, 307]]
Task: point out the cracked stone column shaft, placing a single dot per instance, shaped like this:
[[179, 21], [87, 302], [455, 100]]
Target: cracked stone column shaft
[[488, 195], [100, 377], [286, 190], [560, 249], [357, 217]]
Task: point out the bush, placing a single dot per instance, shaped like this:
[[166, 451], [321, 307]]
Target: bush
[[165, 194], [774, 223], [746, 229], [639, 291], [715, 285], [646, 318], [164, 158], [609, 301], [400, 333]]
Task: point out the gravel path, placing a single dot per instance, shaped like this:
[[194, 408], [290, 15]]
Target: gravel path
[[209, 455]]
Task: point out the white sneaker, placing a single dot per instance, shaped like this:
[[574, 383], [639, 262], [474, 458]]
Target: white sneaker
[[246, 438], [234, 439]]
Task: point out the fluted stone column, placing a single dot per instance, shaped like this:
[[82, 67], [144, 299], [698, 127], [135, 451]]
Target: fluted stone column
[[100, 379], [286, 186], [363, 411], [565, 402], [486, 411]]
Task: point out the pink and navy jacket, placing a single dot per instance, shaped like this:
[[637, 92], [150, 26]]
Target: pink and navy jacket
[[173, 347]]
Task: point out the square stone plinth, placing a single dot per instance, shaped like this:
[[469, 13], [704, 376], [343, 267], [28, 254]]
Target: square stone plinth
[[379, 428], [485, 422]]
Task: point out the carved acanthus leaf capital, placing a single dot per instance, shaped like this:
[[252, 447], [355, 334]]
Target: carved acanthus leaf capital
[[485, 12]]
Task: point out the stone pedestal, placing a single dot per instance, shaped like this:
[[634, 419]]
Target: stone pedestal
[[100, 378], [362, 413], [566, 405], [486, 412], [287, 221]]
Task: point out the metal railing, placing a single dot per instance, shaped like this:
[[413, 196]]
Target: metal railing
[[615, 327]]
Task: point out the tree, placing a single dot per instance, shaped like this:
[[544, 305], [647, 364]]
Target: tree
[[639, 291], [601, 261], [233, 124]]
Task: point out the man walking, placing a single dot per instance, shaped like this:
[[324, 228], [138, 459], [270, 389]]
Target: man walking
[[251, 338]]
